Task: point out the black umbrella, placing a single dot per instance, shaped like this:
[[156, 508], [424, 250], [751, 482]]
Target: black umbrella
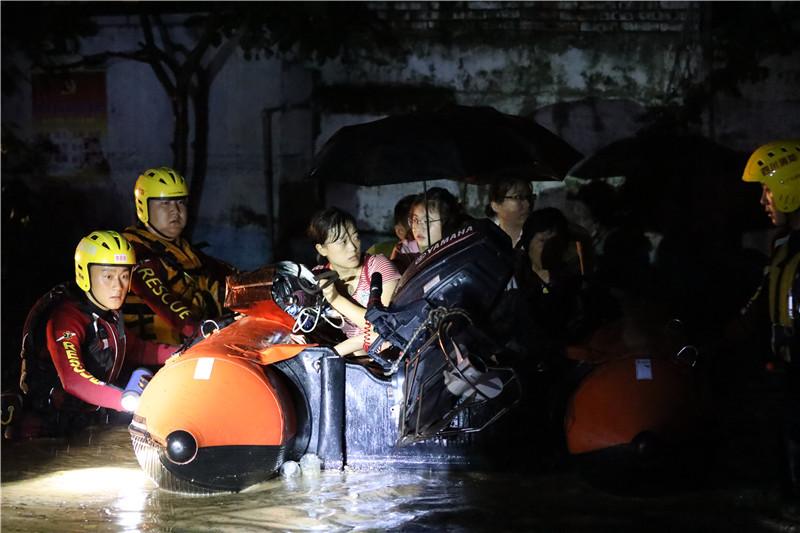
[[651, 155], [672, 178], [472, 144]]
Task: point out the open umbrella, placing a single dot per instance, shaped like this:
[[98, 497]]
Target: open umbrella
[[472, 144], [673, 178], [651, 155]]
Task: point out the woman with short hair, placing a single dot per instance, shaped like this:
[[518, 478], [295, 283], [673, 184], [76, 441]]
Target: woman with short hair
[[336, 240]]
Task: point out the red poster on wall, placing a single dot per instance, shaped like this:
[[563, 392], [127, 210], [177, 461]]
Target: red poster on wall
[[70, 109]]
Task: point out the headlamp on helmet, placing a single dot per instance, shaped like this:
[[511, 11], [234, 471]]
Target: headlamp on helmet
[[777, 165], [101, 248], [161, 182]]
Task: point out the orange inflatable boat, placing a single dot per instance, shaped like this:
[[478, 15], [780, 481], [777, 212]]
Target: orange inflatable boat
[[228, 411], [218, 417], [640, 413]]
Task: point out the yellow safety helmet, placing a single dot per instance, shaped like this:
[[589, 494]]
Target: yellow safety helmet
[[101, 248], [161, 182], [777, 165]]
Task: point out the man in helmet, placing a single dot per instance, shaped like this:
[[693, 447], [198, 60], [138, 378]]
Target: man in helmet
[[174, 287], [75, 347], [776, 166]]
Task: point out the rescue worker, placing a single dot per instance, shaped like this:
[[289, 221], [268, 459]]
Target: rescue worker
[[174, 287], [75, 347], [776, 166]]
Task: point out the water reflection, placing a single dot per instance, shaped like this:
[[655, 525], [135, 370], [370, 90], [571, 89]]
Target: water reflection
[[95, 484]]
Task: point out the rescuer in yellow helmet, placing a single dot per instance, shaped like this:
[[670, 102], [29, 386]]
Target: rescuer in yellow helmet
[[174, 287], [75, 349], [776, 166]]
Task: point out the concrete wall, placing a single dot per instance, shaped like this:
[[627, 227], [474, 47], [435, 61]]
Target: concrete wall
[[588, 71], [233, 210]]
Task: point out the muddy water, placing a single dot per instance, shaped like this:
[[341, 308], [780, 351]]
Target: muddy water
[[93, 483]]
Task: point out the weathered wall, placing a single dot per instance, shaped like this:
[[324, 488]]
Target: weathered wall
[[589, 71], [233, 210]]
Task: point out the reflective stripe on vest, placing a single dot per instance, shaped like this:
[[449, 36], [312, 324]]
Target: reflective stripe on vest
[[782, 274], [185, 278]]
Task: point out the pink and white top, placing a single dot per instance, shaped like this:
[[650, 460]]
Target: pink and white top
[[370, 265], [406, 246]]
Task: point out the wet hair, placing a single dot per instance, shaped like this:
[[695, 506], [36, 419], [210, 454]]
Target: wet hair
[[402, 209], [450, 210], [326, 225], [541, 220], [499, 189]]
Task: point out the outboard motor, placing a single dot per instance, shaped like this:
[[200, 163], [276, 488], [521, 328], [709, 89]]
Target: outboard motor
[[436, 318]]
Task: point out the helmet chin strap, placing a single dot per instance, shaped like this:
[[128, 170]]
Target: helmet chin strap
[[158, 233], [93, 299]]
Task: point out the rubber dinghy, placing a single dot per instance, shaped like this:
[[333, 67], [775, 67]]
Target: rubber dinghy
[[228, 411]]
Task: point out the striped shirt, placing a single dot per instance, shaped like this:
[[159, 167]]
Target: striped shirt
[[370, 265]]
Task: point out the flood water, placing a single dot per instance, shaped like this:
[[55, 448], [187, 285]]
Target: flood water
[[93, 483]]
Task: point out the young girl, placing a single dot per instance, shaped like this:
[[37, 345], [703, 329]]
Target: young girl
[[335, 238], [403, 251]]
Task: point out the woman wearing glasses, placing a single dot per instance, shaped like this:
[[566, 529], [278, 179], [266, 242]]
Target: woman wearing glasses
[[510, 203], [434, 214], [336, 240]]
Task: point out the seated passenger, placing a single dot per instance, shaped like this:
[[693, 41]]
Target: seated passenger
[[174, 286], [510, 203], [335, 238], [550, 288], [75, 348], [400, 251], [435, 214]]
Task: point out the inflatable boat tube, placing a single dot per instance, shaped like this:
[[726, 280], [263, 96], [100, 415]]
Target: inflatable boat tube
[[214, 419]]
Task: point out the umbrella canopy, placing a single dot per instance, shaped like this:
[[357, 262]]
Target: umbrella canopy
[[472, 144], [660, 154], [673, 178]]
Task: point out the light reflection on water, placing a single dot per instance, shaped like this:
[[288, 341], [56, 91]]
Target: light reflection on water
[[97, 485]]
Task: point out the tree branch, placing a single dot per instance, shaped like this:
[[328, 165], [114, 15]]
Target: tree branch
[[224, 52], [195, 57], [96, 59], [171, 48], [155, 62]]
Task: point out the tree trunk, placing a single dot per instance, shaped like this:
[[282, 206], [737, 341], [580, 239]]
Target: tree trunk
[[180, 138], [199, 146]]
